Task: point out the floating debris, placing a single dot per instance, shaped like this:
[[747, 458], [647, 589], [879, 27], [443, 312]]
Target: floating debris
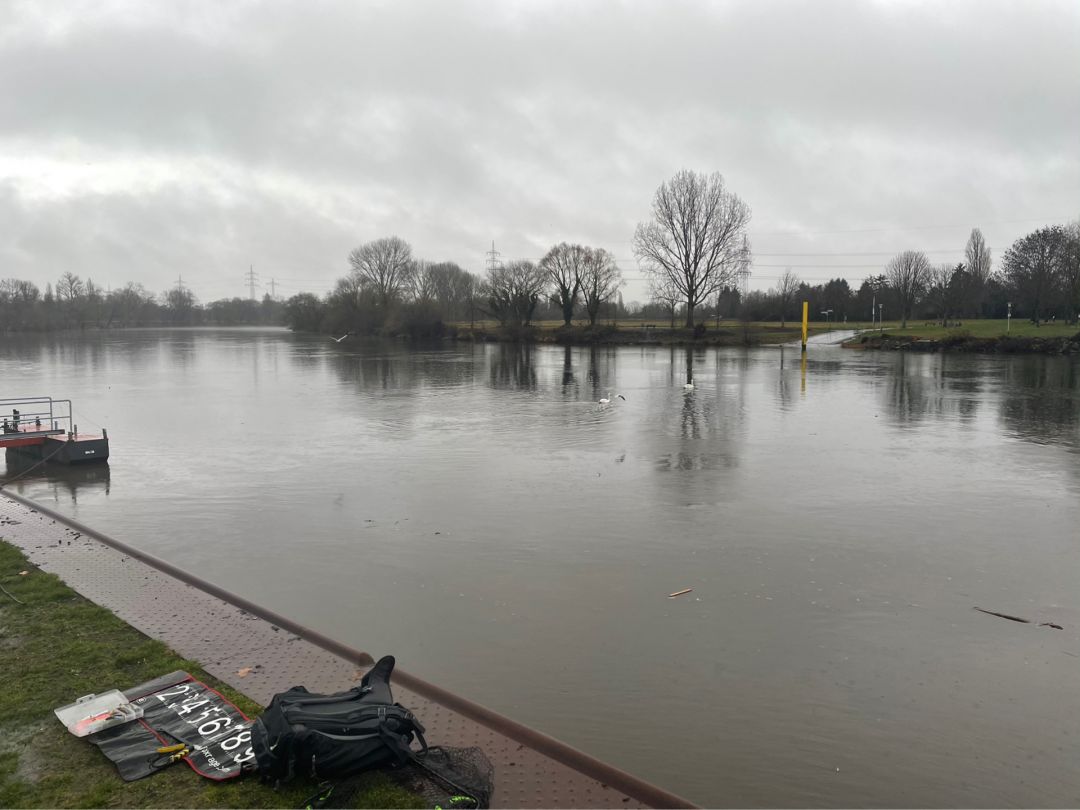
[[1018, 619], [1004, 616], [679, 593]]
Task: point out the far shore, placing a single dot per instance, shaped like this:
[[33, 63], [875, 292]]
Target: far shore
[[978, 336]]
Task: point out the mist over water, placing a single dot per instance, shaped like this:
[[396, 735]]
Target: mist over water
[[474, 511]]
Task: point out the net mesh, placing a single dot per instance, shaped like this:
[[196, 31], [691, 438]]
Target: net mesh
[[443, 773], [443, 776]]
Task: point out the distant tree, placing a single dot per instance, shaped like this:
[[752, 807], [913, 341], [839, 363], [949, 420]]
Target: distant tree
[[600, 280], [454, 289], [977, 263], [1032, 266], [696, 240], [836, 296], [69, 288], [908, 274], [872, 291], [19, 291], [944, 288], [385, 264], [129, 305], [513, 291], [785, 293], [1070, 270], [420, 282], [664, 292], [304, 313], [180, 305], [563, 266]]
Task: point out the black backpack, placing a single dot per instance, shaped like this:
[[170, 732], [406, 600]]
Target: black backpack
[[331, 736]]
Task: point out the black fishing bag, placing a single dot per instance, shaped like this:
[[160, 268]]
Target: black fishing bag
[[332, 736]]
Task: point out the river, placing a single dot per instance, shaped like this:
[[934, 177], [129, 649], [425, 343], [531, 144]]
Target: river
[[476, 512]]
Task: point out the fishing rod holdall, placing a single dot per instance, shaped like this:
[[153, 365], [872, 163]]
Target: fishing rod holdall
[[332, 736]]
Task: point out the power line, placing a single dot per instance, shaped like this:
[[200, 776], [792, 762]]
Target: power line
[[251, 276], [493, 256]]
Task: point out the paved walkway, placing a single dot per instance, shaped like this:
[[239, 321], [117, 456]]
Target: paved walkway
[[225, 640]]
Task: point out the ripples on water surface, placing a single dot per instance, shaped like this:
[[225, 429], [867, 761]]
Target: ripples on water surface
[[472, 510]]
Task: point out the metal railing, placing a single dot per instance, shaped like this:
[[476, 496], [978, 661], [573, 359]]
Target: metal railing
[[45, 415]]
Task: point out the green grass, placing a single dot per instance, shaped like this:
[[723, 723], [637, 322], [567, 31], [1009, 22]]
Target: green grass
[[58, 646], [983, 329]]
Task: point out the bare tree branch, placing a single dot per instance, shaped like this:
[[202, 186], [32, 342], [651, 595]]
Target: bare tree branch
[[908, 274], [385, 265], [697, 239]]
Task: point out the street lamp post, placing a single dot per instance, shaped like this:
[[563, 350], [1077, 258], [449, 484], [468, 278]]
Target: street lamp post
[[880, 315], [1008, 320]]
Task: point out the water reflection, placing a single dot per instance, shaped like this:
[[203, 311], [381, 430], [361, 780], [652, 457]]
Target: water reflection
[[511, 366], [834, 553], [62, 482], [1041, 399]]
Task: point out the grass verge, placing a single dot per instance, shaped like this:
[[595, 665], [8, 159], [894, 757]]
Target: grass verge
[[57, 646]]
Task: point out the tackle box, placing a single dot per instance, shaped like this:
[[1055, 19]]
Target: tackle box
[[92, 713]]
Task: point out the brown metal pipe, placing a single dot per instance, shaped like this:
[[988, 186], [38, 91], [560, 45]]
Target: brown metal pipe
[[620, 780]]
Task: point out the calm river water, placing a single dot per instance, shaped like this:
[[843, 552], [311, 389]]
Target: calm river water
[[472, 510]]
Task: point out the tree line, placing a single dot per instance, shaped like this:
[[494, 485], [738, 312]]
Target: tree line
[[77, 304], [1038, 279], [389, 291], [693, 249]]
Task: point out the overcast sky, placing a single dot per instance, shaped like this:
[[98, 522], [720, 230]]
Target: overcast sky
[[141, 141]]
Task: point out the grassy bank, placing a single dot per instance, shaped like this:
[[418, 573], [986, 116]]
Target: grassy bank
[[56, 646], [989, 337], [636, 332], [983, 329]]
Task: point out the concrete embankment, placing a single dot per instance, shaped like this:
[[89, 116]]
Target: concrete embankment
[[230, 636]]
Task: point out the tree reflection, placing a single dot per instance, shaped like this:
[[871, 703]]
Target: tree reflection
[[513, 366], [1041, 399]]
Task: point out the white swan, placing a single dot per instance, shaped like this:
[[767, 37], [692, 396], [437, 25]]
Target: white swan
[[607, 400], [688, 387]]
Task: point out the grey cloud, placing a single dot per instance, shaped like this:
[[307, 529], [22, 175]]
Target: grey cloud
[[301, 129]]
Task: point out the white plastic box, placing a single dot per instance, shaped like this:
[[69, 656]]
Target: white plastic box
[[92, 713]]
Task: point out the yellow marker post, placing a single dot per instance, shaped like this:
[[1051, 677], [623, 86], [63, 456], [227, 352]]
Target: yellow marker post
[[805, 318]]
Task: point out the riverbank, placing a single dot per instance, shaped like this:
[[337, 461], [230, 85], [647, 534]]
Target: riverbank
[[637, 333], [57, 646], [961, 341], [258, 654]]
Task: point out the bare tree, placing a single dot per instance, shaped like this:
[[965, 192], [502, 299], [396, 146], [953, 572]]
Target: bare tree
[[696, 240], [129, 304], [943, 288], [69, 288], [600, 280], [452, 289], [908, 274], [1032, 266], [563, 267], [786, 289], [421, 282], [385, 265], [977, 256], [513, 291], [664, 292]]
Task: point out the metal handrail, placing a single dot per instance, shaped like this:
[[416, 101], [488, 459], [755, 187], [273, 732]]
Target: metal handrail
[[51, 417]]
